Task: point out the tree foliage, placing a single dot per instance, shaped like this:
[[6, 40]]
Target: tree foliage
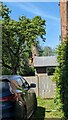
[[61, 77], [46, 51], [17, 40], [40, 50]]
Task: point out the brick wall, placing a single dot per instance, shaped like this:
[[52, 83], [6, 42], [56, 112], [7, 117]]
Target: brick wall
[[67, 18], [63, 15]]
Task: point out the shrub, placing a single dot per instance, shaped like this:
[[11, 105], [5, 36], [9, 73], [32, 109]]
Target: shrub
[[61, 77]]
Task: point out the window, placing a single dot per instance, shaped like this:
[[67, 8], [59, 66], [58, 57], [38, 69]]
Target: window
[[25, 83], [19, 81], [15, 84]]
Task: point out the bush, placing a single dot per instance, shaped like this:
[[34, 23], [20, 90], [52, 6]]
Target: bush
[[61, 77]]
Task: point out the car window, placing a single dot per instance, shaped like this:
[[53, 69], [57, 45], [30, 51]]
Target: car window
[[19, 80], [15, 84], [19, 83], [25, 83]]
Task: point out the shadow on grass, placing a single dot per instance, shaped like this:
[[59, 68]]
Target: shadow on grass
[[39, 114]]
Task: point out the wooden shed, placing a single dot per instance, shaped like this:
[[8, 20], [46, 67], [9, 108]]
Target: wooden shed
[[45, 64]]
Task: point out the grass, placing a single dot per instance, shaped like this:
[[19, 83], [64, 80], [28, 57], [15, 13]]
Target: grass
[[47, 109]]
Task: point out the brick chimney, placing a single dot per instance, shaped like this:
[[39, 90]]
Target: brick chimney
[[34, 52]]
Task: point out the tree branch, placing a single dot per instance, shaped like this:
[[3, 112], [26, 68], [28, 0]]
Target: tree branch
[[8, 46], [5, 65], [19, 45]]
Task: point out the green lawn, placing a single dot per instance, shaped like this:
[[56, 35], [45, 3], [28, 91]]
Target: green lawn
[[47, 109]]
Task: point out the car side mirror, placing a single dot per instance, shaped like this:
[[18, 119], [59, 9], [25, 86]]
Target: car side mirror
[[32, 85]]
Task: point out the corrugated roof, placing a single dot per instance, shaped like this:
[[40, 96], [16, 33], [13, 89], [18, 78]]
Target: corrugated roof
[[45, 61]]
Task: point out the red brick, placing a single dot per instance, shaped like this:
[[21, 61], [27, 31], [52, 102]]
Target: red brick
[[64, 20]]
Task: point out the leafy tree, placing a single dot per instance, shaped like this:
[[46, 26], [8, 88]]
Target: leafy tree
[[54, 51], [17, 39], [40, 50], [46, 51]]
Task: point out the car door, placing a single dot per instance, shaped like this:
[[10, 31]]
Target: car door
[[26, 94], [28, 97]]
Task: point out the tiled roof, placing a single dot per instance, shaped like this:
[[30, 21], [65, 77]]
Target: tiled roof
[[45, 61]]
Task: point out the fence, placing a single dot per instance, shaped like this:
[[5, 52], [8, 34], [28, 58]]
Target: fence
[[44, 85]]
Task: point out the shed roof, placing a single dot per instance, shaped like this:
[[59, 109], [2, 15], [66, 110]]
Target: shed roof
[[45, 61]]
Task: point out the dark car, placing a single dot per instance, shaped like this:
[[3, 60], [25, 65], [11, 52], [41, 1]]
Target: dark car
[[17, 98]]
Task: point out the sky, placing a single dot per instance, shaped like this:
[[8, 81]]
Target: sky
[[50, 11]]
